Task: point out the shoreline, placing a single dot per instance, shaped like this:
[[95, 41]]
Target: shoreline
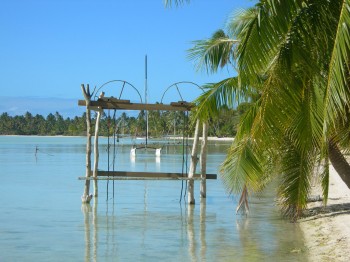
[[327, 229]]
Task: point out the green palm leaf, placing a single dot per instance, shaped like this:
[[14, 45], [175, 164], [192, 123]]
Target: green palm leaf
[[337, 89], [225, 93], [213, 53], [295, 182]]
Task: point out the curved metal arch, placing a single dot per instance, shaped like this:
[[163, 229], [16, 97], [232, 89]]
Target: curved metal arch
[[181, 82], [121, 92]]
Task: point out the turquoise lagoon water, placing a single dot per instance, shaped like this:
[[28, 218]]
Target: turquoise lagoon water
[[42, 218]]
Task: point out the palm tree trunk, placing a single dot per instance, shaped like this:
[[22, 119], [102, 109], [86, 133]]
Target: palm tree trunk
[[339, 162]]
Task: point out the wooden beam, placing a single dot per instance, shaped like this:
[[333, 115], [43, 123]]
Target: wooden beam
[[149, 175], [125, 105], [136, 178]]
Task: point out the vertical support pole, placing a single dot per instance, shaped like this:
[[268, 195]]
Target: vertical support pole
[[86, 197], [192, 170], [203, 161], [96, 152]]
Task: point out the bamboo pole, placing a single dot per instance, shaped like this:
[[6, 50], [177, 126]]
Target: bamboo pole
[[96, 151], [192, 170], [86, 197], [203, 161]]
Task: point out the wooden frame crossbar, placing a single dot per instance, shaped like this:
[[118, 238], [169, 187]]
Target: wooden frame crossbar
[[124, 175], [113, 103]]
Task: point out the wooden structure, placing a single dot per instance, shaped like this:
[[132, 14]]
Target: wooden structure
[[125, 175], [117, 104]]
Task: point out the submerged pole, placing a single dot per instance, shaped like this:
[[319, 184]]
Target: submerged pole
[[192, 170], [203, 161], [86, 197]]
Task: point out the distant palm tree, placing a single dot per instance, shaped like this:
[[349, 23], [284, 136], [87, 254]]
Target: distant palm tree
[[292, 60]]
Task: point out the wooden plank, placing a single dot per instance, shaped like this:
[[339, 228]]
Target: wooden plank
[[114, 100], [183, 106], [148, 147], [150, 175], [180, 103], [135, 178]]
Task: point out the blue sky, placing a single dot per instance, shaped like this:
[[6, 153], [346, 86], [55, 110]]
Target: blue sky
[[48, 48]]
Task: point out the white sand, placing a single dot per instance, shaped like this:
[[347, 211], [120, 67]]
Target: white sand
[[327, 229]]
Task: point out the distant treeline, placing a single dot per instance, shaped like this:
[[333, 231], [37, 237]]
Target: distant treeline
[[161, 123]]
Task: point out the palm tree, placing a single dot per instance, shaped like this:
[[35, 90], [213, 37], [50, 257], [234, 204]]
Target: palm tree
[[292, 59]]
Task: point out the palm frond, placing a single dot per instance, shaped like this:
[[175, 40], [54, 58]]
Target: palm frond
[[259, 37], [297, 167], [214, 53], [169, 3], [337, 90], [305, 128], [242, 167], [225, 93]]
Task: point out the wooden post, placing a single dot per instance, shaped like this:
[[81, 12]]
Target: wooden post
[[203, 161], [192, 170], [86, 197], [96, 152]]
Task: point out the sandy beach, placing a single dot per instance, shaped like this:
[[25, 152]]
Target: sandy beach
[[327, 229]]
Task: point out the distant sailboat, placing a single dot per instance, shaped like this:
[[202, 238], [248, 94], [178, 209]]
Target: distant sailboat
[[146, 146]]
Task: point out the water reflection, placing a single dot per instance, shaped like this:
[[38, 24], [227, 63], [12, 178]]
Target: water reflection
[[112, 227], [189, 233], [86, 209], [202, 228], [91, 241]]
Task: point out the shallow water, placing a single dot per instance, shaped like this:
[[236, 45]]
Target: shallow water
[[42, 218]]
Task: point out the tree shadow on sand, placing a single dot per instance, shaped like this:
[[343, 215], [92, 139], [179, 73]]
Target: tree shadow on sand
[[330, 210]]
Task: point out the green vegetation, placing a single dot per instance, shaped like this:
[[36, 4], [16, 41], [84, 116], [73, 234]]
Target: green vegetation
[[28, 124], [160, 124], [292, 63]]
